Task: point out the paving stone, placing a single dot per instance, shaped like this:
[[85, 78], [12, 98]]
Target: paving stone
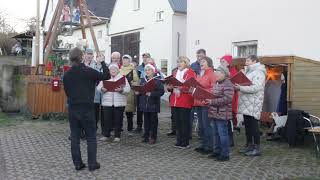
[[41, 150]]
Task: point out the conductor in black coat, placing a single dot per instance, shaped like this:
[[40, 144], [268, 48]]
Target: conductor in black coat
[[79, 86]]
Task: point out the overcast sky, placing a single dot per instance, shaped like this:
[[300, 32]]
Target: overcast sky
[[19, 10]]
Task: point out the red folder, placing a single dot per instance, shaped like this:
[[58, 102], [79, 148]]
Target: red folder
[[241, 79], [192, 82], [172, 81], [111, 86], [202, 94], [148, 87]]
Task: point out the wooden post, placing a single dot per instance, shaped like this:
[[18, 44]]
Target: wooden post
[[86, 11], [54, 31], [83, 30], [51, 25]]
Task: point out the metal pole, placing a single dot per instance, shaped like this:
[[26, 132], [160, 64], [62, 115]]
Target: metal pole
[[37, 33]]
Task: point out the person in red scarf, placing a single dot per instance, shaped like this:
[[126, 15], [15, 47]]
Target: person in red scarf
[[226, 61], [181, 100]]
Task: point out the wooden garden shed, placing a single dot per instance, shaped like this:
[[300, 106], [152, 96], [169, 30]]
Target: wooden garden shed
[[42, 99], [302, 80]]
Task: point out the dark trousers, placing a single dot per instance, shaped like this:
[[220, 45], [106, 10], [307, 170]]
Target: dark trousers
[[113, 119], [98, 112], [129, 120], [150, 125], [173, 122], [182, 118], [191, 120], [139, 114], [252, 130], [82, 117], [139, 119]]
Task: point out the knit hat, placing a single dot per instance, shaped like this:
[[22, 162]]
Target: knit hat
[[150, 66], [127, 57], [113, 65], [89, 51], [147, 55], [227, 58], [224, 70]]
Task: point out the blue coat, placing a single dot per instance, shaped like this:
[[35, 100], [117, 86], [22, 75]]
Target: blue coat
[[196, 67], [152, 103]]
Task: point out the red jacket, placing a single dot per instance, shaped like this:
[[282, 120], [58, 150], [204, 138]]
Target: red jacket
[[185, 99], [208, 80]]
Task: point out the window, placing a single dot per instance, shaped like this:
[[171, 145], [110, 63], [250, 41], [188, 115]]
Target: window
[[245, 48], [164, 66], [136, 5], [100, 34], [160, 15]]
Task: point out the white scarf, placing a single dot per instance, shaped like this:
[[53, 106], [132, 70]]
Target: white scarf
[[180, 74]]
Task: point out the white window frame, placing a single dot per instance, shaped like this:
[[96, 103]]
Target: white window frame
[[159, 16], [239, 44], [164, 66], [136, 5], [100, 34]]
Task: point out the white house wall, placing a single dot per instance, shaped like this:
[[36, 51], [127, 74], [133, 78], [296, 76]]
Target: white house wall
[[179, 25], [77, 35], [155, 36], [281, 27]]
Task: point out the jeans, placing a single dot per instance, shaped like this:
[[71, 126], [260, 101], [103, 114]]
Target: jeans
[[113, 118], [82, 117], [182, 118], [205, 128], [150, 125], [252, 130], [220, 137]]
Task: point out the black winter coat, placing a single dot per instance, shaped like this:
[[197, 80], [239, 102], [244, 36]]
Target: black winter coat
[[152, 103]]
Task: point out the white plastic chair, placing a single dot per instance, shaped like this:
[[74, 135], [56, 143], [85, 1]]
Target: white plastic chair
[[280, 121], [313, 127]]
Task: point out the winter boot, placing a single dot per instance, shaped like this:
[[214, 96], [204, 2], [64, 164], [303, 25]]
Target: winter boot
[[255, 152]]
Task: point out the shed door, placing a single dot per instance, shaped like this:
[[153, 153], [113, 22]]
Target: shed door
[[127, 44]]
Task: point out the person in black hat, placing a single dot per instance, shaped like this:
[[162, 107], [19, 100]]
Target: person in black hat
[[79, 85]]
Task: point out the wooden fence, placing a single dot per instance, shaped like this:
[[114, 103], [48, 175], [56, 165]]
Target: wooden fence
[[42, 99]]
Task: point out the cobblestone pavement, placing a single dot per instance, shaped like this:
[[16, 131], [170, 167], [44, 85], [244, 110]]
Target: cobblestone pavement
[[40, 150]]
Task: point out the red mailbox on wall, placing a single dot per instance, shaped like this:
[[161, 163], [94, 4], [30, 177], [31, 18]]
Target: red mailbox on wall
[[56, 85]]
